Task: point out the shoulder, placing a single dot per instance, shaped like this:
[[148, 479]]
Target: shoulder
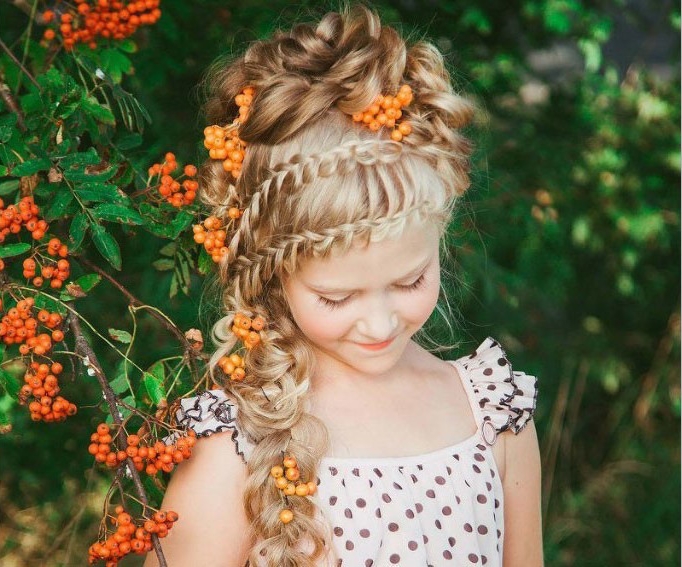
[[207, 490], [503, 399], [212, 412]]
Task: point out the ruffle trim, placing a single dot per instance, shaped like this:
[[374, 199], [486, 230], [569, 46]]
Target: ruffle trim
[[213, 412], [505, 398]]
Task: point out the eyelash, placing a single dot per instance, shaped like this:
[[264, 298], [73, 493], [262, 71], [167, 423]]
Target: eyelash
[[331, 304]]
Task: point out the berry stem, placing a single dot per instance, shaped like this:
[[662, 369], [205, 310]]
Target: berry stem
[[83, 347]]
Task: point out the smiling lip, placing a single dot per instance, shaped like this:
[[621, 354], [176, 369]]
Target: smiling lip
[[376, 346]]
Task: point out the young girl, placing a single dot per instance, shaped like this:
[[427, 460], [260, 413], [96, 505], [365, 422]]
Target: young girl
[[343, 441]]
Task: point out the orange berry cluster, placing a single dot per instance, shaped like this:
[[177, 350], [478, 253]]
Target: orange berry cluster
[[150, 458], [212, 234], [24, 213], [19, 326], [91, 20], [288, 479], [170, 188], [224, 143], [130, 536], [386, 111], [42, 384], [233, 366], [57, 272], [247, 329]]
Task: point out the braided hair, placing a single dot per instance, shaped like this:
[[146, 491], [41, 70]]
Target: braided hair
[[312, 183]]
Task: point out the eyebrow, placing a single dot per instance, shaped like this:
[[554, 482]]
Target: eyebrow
[[329, 290]]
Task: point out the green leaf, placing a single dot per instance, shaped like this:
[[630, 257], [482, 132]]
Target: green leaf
[[44, 301], [100, 192], [78, 228], [154, 382], [169, 249], [83, 175], [119, 384], [59, 205], [106, 245], [128, 141], [8, 250], [163, 264], [7, 127], [120, 336], [173, 286], [117, 213], [7, 187], [127, 45], [205, 263], [98, 111], [31, 166], [88, 281], [10, 383], [80, 159], [115, 64]]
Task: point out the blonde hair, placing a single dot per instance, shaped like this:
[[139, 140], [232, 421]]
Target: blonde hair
[[312, 183]]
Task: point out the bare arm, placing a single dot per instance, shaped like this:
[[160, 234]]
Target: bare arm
[[206, 492], [522, 506]]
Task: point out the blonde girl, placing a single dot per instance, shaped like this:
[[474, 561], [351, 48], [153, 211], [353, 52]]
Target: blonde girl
[[343, 441]]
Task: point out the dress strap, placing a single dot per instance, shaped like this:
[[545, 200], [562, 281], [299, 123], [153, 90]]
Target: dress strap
[[501, 399], [213, 412]]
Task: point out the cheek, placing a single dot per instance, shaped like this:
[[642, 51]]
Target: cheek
[[316, 322]]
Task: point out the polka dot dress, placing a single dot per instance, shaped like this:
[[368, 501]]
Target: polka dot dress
[[440, 508]]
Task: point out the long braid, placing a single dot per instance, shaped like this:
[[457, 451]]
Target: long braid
[[313, 183]]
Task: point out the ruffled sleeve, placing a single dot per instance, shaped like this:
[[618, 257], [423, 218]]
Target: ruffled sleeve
[[213, 412], [502, 399]]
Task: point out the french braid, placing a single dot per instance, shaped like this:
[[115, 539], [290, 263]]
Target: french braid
[[313, 183]]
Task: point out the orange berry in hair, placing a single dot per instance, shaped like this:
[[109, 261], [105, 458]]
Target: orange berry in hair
[[286, 516]]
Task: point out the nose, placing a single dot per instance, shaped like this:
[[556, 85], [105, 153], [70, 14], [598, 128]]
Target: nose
[[378, 322]]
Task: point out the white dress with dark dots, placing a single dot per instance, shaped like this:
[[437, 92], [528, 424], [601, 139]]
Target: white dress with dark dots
[[440, 508]]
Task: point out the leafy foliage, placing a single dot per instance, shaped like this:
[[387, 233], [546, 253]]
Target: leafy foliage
[[567, 247]]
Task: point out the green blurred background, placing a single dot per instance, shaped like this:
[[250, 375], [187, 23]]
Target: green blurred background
[[567, 250]]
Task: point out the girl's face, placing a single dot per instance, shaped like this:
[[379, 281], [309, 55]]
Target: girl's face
[[359, 309]]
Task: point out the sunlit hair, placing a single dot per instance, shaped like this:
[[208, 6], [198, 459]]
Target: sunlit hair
[[314, 182]]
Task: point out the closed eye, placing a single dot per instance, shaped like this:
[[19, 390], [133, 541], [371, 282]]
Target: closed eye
[[336, 303]]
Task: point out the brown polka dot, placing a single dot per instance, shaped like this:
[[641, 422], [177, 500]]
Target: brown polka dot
[[349, 545], [371, 484], [488, 486], [397, 486], [449, 470], [377, 513], [487, 372], [338, 532], [343, 482], [478, 457], [497, 503], [492, 473], [395, 558], [492, 387], [356, 472], [393, 527], [476, 468], [332, 500], [446, 510], [458, 499], [484, 559], [386, 498], [420, 467], [347, 512], [412, 545], [502, 361], [418, 507], [425, 538], [468, 528], [440, 480], [473, 558], [480, 447], [369, 563], [409, 513], [447, 554], [360, 503], [482, 530], [378, 473], [438, 524], [430, 493], [414, 478], [451, 541], [481, 499], [364, 532]]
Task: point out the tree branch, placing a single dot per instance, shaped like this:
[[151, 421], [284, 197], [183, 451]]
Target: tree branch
[[83, 348], [6, 95], [19, 63]]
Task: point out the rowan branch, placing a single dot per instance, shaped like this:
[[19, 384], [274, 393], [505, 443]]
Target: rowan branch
[[83, 348], [24, 70], [6, 95]]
